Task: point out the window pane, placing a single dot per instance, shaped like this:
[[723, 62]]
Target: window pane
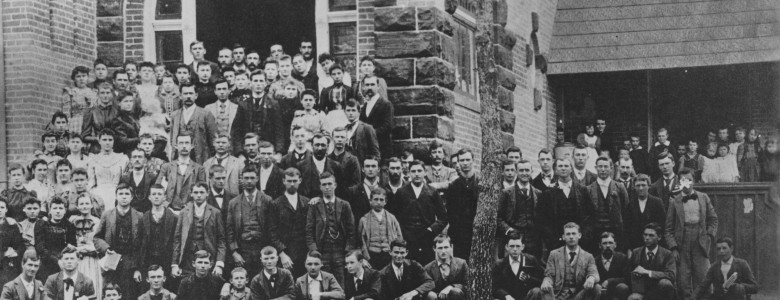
[[337, 5], [169, 48], [464, 52], [343, 45], [168, 9]]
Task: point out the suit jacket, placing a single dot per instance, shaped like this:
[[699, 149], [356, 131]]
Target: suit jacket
[[350, 171], [363, 142], [663, 266], [235, 226], [310, 176], [169, 220], [381, 118], [659, 190], [275, 185], [641, 160], [458, 277], [127, 131], [675, 222], [213, 233], [223, 209], [167, 295], [715, 278], [264, 120], [369, 287], [140, 200], [414, 278], [359, 200], [288, 160], [506, 282], [203, 129], [330, 287], [285, 223], [635, 220], [108, 231], [170, 172], [54, 288], [551, 222], [507, 204], [587, 180], [428, 208], [14, 290], [585, 267], [215, 71], [316, 223], [616, 196], [230, 108], [619, 266], [327, 103], [283, 289], [233, 166]]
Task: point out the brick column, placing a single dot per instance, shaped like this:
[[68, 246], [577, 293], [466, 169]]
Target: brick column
[[504, 43], [111, 32], [413, 45]]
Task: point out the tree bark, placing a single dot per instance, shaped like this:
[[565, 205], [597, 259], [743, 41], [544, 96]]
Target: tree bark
[[482, 246]]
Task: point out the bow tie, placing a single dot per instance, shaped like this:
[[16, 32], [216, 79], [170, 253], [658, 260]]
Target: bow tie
[[690, 197], [68, 282], [351, 125]]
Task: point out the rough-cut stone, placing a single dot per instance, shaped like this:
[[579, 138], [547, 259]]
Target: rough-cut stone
[[394, 19], [450, 6], [110, 29], [109, 8], [500, 12], [111, 53], [506, 99], [396, 71], [402, 128], [432, 18], [503, 56], [383, 3], [507, 140], [419, 147], [435, 71], [507, 121], [506, 78], [422, 100], [433, 126], [504, 36], [414, 44]]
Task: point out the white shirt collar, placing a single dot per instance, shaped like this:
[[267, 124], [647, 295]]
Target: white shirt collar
[[396, 269], [213, 191], [655, 251], [360, 274], [309, 279], [292, 198], [521, 186], [729, 262], [250, 197], [565, 185], [605, 182], [329, 201], [199, 210]]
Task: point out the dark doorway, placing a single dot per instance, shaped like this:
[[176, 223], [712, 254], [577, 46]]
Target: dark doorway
[[256, 24]]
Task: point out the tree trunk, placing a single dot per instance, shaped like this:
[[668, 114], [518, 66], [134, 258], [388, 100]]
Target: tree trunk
[[482, 245]]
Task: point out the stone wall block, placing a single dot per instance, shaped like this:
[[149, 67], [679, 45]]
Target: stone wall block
[[435, 71], [506, 99], [396, 71], [414, 44], [394, 19], [422, 100], [433, 126], [506, 78], [432, 18], [110, 29]]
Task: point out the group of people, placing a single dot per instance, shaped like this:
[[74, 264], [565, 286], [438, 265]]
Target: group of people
[[245, 179]]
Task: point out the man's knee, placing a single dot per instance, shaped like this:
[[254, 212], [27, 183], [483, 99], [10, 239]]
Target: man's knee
[[432, 296], [665, 285], [534, 294], [635, 296], [456, 294], [621, 290]]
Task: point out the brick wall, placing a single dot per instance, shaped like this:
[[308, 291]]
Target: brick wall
[[43, 41], [111, 31], [134, 30]]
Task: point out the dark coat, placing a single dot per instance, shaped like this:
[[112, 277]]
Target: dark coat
[[359, 200], [617, 197], [108, 232], [96, 119], [364, 142], [551, 224], [715, 278], [169, 226], [140, 200], [287, 227], [283, 289], [659, 190], [538, 183], [226, 199], [213, 233], [235, 226], [507, 207], [264, 120], [288, 160], [458, 277], [675, 223], [127, 130], [369, 288], [327, 103], [381, 118], [203, 130], [635, 220], [350, 171], [619, 267], [587, 180], [428, 208], [316, 224], [414, 278], [506, 282], [275, 185], [310, 176], [330, 287], [462, 197], [54, 288], [663, 266]]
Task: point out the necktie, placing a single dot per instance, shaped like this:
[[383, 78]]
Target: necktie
[[358, 282], [650, 256], [329, 206], [524, 191], [571, 256], [400, 274], [222, 108], [445, 270], [219, 161]]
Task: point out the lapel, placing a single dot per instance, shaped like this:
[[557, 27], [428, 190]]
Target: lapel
[[305, 285], [702, 210], [232, 109], [189, 170], [79, 284], [337, 207], [323, 210], [266, 284], [732, 269], [580, 265], [176, 116], [186, 222], [206, 215], [21, 291], [678, 207]]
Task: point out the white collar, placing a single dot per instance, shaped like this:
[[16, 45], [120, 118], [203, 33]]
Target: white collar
[[329, 201], [521, 186], [268, 275], [728, 262], [250, 196], [655, 251], [291, 196], [309, 279], [562, 184], [665, 143], [397, 269], [360, 274], [605, 182]]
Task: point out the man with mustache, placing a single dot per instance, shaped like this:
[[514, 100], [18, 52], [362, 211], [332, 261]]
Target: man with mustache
[[612, 267], [197, 121], [378, 112], [318, 163]]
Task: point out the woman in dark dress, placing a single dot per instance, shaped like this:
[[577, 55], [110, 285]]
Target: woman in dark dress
[[769, 160], [125, 125], [11, 246]]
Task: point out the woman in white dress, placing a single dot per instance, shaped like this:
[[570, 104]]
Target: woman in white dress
[[86, 223], [592, 141], [106, 169], [722, 168]]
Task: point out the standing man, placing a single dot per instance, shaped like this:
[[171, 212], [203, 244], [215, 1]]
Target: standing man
[[581, 174], [422, 215], [199, 234], [158, 225], [180, 174], [310, 64], [219, 197], [604, 136], [462, 196], [330, 227], [247, 228], [730, 277], [613, 267], [287, 224], [270, 177], [239, 54], [437, 175], [25, 286], [197, 121], [260, 114], [198, 52], [450, 274], [571, 271], [224, 111], [140, 180], [517, 212], [359, 194], [349, 163], [691, 225], [69, 283], [517, 275], [393, 185], [668, 186], [653, 268], [566, 202], [230, 163], [546, 178], [378, 113], [643, 209], [626, 175], [299, 153], [404, 279], [316, 165], [609, 201], [225, 58], [361, 137], [662, 147]]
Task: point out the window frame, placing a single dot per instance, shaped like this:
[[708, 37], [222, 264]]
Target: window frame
[[469, 21], [323, 18], [186, 24]]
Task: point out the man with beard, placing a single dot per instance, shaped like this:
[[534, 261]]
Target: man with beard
[[225, 58], [358, 195], [252, 61], [462, 196], [546, 178], [98, 117], [224, 111], [140, 180], [613, 267], [270, 176], [422, 215], [276, 90], [232, 165], [197, 121], [517, 211], [299, 152], [238, 57], [348, 162], [581, 174], [378, 113], [198, 52], [307, 72], [247, 226], [565, 202], [437, 174], [361, 137], [204, 85], [251, 153], [287, 224], [260, 115], [395, 182], [609, 201], [643, 209], [317, 164]]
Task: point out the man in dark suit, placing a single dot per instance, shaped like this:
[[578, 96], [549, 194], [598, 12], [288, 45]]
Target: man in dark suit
[[517, 275], [653, 268], [317, 164], [25, 286], [668, 186], [643, 209], [662, 147], [140, 180], [349, 163], [269, 176], [196, 121], [517, 211], [157, 226], [626, 175], [564, 203], [360, 283], [730, 277], [546, 178], [421, 214], [394, 184], [462, 197], [330, 227], [219, 196], [260, 115], [69, 282], [287, 224], [450, 274], [581, 174], [198, 52], [299, 153], [613, 267], [609, 201], [119, 229], [404, 278], [272, 282], [199, 227], [358, 194], [361, 137], [181, 175], [247, 227], [231, 164], [378, 113]]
